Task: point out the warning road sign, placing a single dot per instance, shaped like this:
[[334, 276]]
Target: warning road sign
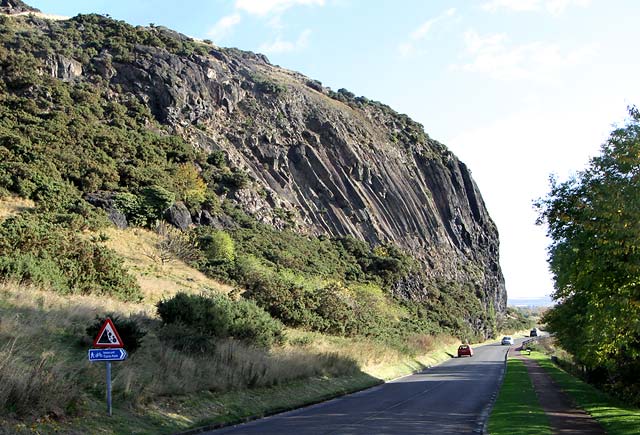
[[108, 336]]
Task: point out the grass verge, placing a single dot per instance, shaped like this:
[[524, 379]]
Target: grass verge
[[615, 417], [159, 390], [517, 409]]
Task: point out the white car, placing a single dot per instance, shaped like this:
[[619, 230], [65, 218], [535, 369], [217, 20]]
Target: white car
[[507, 340]]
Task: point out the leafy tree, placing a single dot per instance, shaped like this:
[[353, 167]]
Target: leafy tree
[[594, 223], [189, 185]]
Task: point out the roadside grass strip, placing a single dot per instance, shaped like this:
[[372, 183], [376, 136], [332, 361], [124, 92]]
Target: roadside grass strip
[[615, 417], [517, 409]]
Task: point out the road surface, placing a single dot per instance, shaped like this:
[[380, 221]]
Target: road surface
[[451, 398]]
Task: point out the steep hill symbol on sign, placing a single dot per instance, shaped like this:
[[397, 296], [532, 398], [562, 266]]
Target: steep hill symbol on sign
[[108, 336]]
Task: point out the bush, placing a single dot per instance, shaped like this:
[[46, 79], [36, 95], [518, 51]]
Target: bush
[[33, 250], [218, 316], [146, 208], [177, 244], [284, 300], [129, 330], [335, 308], [186, 339], [217, 245]]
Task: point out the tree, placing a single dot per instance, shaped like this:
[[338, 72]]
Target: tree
[[594, 223]]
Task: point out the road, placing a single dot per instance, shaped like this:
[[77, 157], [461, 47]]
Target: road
[[451, 398]]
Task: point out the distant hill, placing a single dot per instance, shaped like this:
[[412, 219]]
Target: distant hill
[[544, 301]]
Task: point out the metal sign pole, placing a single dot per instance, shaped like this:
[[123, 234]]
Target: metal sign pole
[[111, 348], [109, 388]]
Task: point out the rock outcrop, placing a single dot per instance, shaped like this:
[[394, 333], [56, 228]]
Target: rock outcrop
[[341, 165], [15, 7], [320, 161]]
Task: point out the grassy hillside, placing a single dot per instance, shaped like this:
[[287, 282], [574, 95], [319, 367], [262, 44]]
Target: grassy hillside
[[47, 381]]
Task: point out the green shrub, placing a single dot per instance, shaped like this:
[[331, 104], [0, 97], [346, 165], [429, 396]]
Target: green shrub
[[217, 245], [186, 339], [40, 271], [218, 316], [37, 251], [146, 208], [335, 308], [284, 300], [268, 86]]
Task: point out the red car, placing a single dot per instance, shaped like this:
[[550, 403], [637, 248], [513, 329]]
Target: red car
[[465, 350]]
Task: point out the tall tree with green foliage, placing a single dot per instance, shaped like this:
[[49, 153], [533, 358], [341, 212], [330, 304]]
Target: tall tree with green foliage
[[594, 223]]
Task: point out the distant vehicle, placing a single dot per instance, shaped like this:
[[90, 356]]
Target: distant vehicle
[[465, 350], [534, 332], [507, 340]]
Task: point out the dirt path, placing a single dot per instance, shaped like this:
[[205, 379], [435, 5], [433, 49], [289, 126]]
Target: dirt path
[[565, 418]]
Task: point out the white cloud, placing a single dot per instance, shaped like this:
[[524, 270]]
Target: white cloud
[[539, 61], [422, 31], [282, 46], [408, 47], [264, 7], [224, 26], [554, 7]]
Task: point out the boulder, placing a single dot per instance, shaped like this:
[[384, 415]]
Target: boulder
[[179, 216], [105, 201]]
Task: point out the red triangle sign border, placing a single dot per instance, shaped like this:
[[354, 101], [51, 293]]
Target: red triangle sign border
[[106, 328]]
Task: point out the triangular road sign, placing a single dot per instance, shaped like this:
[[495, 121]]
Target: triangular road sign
[[108, 336]]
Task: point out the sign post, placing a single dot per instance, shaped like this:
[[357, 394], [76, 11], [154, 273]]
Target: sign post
[[109, 348], [109, 413]]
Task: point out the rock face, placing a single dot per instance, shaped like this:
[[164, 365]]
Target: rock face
[[341, 165], [63, 68], [178, 215], [331, 163], [15, 7]]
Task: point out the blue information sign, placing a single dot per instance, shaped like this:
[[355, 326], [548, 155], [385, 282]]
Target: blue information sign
[[107, 354]]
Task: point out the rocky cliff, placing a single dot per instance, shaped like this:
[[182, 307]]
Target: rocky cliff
[[15, 7], [332, 163]]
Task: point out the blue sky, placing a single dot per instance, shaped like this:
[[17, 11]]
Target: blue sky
[[517, 89]]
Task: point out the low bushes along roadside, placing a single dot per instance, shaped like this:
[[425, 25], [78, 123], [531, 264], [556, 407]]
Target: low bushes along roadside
[[220, 317]]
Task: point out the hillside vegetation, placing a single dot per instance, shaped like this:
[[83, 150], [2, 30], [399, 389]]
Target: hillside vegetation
[[45, 375], [239, 302], [62, 140]]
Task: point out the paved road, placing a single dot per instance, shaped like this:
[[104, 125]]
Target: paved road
[[451, 398]]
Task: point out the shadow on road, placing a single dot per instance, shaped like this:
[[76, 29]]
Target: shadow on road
[[445, 399]]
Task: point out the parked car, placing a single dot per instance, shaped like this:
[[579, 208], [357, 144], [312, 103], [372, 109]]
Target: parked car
[[507, 340], [534, 332], [465, 350]]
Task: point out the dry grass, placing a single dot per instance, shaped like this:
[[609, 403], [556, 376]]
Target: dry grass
[[12, 206], [374, 357], [158, 280], [35, 387], [44, 371]]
